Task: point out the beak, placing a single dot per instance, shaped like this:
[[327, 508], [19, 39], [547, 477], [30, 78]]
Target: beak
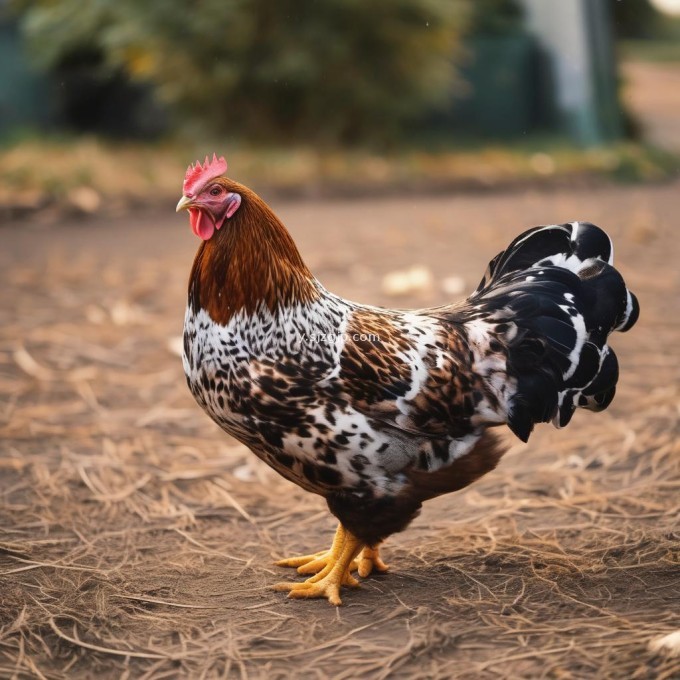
[[184, 203]]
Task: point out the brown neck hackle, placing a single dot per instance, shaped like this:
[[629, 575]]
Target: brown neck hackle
[[252, 261]]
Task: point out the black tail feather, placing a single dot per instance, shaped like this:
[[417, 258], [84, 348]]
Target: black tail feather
[[555, 298]]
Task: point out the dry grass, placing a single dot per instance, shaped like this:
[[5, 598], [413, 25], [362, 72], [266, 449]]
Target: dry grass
[[137, 541]]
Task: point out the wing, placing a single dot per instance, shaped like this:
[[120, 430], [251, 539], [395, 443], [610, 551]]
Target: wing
[[414, 373]]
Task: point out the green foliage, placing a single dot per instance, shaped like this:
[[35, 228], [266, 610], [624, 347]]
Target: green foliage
[[331, 71], [639, 19], [495, 17]]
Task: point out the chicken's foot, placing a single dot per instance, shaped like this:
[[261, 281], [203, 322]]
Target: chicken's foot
[[327, 582], [368, 560]]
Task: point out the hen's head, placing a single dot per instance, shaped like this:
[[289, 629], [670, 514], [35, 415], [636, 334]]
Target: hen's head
[[208, 196]]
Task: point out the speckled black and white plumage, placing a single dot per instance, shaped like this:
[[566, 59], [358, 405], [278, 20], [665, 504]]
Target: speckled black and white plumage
[[379, 410]]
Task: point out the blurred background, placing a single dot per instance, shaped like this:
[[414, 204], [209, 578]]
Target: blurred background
[[314, 97]]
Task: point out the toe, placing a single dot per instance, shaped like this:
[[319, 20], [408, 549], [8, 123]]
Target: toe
[[370, 561], [307, 590], [299, 561], [330, 591], [284, 586], [313, 566], [350, 581], [365, 568], [379, 565]]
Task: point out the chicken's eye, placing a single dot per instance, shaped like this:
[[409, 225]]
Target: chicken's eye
[[215, 191]]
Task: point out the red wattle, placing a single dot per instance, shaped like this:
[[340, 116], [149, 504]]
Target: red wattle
[[201, 224]]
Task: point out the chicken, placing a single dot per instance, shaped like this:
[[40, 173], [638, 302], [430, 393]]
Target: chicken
[[379, 410]]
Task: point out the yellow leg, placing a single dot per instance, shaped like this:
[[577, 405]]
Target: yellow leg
[[326, 583], [369, 559]]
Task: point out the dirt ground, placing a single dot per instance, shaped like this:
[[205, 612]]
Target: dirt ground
[[138, 541]]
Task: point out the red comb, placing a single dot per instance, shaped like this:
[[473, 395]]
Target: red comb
[[198, 175]]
